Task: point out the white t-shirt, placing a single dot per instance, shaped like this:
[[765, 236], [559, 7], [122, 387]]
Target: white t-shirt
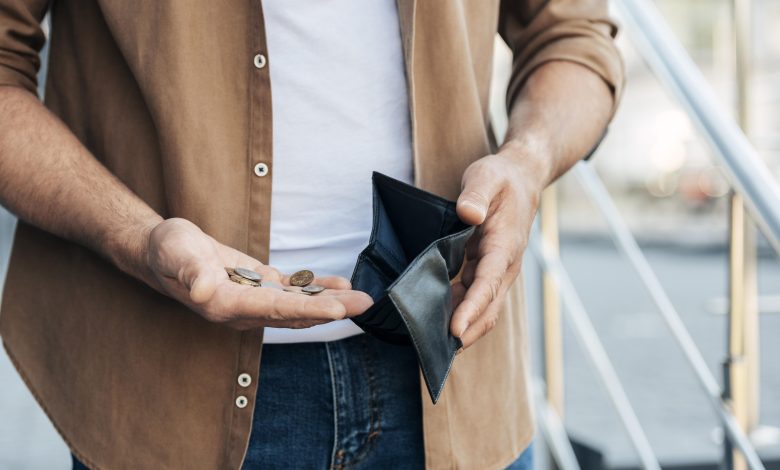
[[340, 111]]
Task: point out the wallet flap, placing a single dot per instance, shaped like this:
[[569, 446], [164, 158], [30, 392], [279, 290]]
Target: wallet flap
[[423, 297]]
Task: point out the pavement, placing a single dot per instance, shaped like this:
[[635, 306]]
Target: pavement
[[680, 425]]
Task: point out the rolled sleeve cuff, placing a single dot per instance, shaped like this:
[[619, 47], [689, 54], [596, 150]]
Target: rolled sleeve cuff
[[578, 45], [12, 77]]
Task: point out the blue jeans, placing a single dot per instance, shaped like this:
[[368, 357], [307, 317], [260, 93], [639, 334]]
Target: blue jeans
[[352, 403], [347, 404]]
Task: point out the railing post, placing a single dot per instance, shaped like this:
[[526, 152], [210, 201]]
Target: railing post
[[742, 361], [551, 305]]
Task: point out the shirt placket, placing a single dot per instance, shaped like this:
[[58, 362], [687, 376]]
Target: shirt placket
[[259, 173]]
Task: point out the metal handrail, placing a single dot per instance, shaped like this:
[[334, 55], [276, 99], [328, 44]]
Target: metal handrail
[[553, 431], [668, 59], [630, 249], [748, 175], [586, 333]]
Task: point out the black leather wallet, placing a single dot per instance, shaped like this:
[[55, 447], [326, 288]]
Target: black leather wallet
[[417, 246]]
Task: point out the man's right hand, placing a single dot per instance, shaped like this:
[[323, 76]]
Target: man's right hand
[[49, 179], [189, 266]]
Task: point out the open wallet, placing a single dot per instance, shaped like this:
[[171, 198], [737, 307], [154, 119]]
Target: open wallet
[[417, 246]]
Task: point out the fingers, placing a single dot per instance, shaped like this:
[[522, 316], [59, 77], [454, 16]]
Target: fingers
[[458, 292], [480, 186], [272, 306], [267, 304], [482, 326], [355, 302], [333, 282], [486, 287]]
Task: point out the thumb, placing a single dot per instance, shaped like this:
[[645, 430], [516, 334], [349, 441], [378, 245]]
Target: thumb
[[475, 198], [200, 279]]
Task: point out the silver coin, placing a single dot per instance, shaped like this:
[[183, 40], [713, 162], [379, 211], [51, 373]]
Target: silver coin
[[296, 290], [248, 274], [313, 289]]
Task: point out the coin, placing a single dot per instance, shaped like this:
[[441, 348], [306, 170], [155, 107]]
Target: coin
[[248, 274], [296, 290], [302, 278], [230, 271], [313, 289], [240, 280]]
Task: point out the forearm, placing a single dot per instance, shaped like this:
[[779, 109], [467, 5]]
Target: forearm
[[49, 179], [557, 118]]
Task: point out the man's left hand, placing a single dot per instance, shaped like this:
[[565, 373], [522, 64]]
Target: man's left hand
[[500, 194]]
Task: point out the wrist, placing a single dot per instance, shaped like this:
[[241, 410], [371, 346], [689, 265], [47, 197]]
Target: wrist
[[128, 249], [533, 158]]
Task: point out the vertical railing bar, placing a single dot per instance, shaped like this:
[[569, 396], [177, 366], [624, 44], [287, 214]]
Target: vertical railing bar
[[551, 308], [588, 337], [630, 249], [741, 393], [553, 431]]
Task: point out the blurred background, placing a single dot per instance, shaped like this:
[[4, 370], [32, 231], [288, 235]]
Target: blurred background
[[674, 195]]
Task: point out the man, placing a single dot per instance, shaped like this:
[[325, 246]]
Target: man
[[149, 170]]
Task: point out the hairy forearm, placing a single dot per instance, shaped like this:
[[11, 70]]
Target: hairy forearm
[[557, 118], [49, 179]]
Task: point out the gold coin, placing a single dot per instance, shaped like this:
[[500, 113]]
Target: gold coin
[[313, 289], [244, 281], [302, 278], [248, 274]]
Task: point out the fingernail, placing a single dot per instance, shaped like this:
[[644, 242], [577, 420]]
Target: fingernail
[[478, 207]]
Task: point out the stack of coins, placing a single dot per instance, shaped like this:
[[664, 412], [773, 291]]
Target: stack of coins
[[245, 277]]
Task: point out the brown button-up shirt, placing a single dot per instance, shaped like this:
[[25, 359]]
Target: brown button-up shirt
[[174, 98]]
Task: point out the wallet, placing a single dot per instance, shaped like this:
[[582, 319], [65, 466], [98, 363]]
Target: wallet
[[417, 246]]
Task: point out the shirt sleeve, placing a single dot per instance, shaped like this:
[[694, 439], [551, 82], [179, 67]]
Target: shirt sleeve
[[21, 39], [579, 31]]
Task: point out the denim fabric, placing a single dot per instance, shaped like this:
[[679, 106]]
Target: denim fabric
[[525, 461], [352, 403], [347, 404]]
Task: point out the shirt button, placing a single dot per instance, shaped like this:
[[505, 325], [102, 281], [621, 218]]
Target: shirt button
[[241, 401], [261, 169], [244, 380], [260, 61]]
